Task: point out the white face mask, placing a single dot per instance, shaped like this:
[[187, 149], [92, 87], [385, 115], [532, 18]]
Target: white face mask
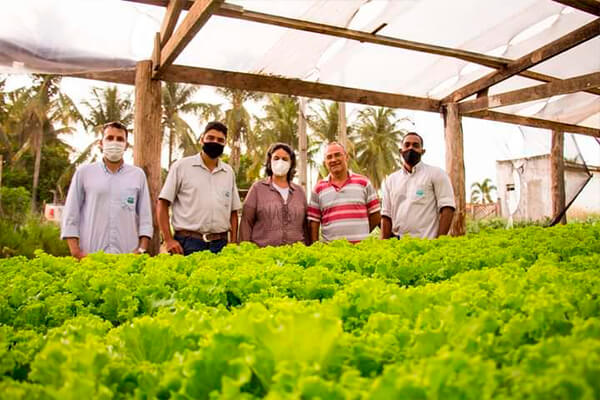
[[113, 150], [280, 167]]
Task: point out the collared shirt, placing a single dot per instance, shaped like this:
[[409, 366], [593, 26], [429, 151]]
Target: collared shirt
[[269, 221], [201, 200], [108, 211], [343, 211], [413, 200]]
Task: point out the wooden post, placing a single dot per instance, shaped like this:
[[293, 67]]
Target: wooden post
[[147, 136], [557, 175], [342, 129], [455, 165], [302, 143]]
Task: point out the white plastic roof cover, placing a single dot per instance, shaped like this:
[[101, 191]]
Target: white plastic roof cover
[[64, 36]]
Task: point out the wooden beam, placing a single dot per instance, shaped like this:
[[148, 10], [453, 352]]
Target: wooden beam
[[147, 136], [589, 6], [566, 86], [209, 77], [302, 145], [535, 122], [366, 37], [552, 49], [125, 76], [156, 52], [170, 20], [295, 87], [557, 175], [455, 166], [196, 17], [231, 11]]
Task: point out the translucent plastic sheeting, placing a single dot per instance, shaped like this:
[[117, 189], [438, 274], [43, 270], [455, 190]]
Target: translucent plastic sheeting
[[75, 35], [63, 36], [577, 108]]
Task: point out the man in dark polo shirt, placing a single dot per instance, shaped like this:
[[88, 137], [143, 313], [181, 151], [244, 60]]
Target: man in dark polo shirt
[[203, 196]]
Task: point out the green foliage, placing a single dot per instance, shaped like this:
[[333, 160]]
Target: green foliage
[[32, 235], [15, 203], [503, 314]]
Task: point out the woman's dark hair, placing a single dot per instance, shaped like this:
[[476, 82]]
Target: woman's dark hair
[[288, 149]]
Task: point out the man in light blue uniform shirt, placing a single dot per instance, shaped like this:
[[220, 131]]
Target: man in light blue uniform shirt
[[108, 204]]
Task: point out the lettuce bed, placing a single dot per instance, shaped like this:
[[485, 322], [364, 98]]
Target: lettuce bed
[[498, 315]]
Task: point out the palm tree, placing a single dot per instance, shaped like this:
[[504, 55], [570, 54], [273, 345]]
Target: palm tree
[[376, 139], [47, 107], [177, 100], [481, 192], [106, 105], [280, 124], [238, 121], [324, 121]]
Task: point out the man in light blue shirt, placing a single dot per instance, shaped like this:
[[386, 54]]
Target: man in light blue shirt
[[108, 204]]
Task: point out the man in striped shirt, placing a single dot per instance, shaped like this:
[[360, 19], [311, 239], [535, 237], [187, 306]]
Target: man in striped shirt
[[344, 203]]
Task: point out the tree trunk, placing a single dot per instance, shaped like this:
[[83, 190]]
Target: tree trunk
[[38, 141], [455, 166], [342, 129], [302, 143], [170, 146], [148, 137], [557, 175], [234, 159]]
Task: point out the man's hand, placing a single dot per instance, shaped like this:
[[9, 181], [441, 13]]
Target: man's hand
[[173, 246], [74, 248], [78, 254]]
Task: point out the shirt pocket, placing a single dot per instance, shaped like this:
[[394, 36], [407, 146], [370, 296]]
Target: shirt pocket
[[129, 198], [420, 194], [225, 196]]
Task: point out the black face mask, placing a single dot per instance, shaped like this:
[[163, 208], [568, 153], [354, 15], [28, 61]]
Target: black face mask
[[411, 157], [213, 149]]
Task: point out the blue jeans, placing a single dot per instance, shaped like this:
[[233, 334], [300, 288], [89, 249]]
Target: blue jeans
[[191, 245]]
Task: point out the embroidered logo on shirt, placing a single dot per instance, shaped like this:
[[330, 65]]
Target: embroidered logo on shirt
[[130, 200], [420, 192], [227, 194]]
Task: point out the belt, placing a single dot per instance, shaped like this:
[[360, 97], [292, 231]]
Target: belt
[[207, 237]]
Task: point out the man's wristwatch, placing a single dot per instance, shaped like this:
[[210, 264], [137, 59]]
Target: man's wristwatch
[[141, 250]]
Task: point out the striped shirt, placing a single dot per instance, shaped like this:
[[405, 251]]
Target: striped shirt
[[343, 211]]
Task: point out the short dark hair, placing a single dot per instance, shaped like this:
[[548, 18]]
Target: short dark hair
[[274, 147], [414, 134], [115, 125], [217, 126]]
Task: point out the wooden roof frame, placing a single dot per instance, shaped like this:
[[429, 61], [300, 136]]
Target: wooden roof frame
[[170, 42]]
